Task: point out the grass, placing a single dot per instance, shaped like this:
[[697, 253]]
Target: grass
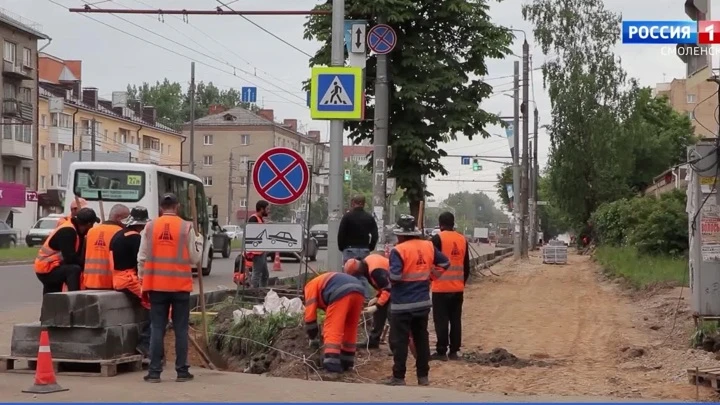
[[253, 334], [20, 253], [642, 270]]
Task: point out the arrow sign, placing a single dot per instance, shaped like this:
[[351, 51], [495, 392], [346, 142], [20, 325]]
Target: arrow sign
[[359, 37]]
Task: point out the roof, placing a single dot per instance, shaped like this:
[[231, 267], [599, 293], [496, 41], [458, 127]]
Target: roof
[[356, 150], [19, 23], [240, 117]]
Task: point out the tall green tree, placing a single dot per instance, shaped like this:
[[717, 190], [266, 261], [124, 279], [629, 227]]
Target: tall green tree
[[473, 209], [505, 178], [433, 99], [360, 183], [319, 211]]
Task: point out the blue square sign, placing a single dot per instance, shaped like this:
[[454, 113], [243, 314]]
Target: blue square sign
[[337, 92]]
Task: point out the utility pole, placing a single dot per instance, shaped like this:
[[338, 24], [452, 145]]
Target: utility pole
[[92, 140], [517, 242], [335, 197], [536, 178], [531, 199], [526, 136], [230, 188], [380, 140], [192, 117]]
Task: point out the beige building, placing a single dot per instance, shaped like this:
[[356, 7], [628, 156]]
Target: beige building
[[226, 141], [688, 99]]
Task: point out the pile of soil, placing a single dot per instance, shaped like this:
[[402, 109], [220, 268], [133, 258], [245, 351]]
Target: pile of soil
[[500, 357]]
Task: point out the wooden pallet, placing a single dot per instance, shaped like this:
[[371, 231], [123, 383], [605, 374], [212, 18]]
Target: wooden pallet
[[705, 376], [85, 368]]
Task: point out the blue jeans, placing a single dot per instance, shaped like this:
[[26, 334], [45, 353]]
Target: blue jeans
[[160, 303], [260, 273]]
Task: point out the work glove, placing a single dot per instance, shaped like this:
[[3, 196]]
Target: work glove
[[373, 301], [314, 344], [371, 309]]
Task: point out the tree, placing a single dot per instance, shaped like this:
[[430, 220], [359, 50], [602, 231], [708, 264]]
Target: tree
[[360, 183], [505, 178], [319, 211], [472, 210], [280, 213], [433, 99]]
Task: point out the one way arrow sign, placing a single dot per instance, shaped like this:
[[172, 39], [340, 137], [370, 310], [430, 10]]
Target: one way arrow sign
[[358, 38]]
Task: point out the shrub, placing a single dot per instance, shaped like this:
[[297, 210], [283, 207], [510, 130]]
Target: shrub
[[642, 270]]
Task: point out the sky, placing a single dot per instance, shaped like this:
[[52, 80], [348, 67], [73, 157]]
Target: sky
[[231, 52]]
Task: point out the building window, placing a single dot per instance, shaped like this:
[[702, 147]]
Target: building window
[[52, 181], [168, 149], [27, 57], [59, 180], [243, 203], [43, 121], [207, 140], [9, 91], [52, 150], [9, 174], [42, 183], [25, 94], [207, 160], [691, 99], [26, 177], [124, 135], [245, 139], [207, 180], [42, 152], [61, 120], [9, 52], [691, 115], [209, 200], [151, 143]]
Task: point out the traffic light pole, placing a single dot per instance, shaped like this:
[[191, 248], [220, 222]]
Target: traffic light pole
[[517, 243]]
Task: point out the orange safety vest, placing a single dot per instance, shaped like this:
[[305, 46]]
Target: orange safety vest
[[378, 262], [62, 221], [98, 266], [167, 266], [411, 288], [250, 255], [49, 258], [454, 247]]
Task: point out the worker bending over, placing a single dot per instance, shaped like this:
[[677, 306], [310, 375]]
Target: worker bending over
[[374, 268], [60, 260], [342, 297], [447, 290], [169, 249], [97, 274], [75, 205], [414, 263]]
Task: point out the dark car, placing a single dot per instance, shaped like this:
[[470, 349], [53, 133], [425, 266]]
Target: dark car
[[320, 233], [8, 237], [310, 251], [222, 242]]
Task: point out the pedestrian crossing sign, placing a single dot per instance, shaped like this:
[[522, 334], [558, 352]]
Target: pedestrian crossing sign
[[336, 93]]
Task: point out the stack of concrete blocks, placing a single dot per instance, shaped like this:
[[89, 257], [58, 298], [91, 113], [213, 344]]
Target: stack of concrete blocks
[[555, 252], [83, 325]]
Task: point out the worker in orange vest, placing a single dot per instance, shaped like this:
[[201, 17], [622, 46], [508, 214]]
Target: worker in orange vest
[[447, 290], [341, 296], [74, 207], [97, 274], [169, 249], [414, 263], [374, 268], [60, 260], [260, 273]]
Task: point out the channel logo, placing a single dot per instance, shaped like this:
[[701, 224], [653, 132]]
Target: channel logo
[[671, 32]]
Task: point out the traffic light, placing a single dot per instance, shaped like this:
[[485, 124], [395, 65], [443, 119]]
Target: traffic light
[[476, 165], [348, 176]]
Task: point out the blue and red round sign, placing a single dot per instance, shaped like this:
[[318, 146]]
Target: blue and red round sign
[[281, 176]]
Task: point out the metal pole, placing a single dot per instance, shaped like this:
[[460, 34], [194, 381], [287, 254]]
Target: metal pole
[[531, 199], [92, 140], [516, 162], [536, 178], [380, 140], [526, 137], [335, 197], [192, 117], [230, 189]]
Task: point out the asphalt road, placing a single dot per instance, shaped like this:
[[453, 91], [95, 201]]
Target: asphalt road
[[20, 287]]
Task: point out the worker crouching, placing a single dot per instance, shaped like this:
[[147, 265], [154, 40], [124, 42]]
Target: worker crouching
[[342, 297], [98, 271], [60, 260], [414, 263], [374, 268]]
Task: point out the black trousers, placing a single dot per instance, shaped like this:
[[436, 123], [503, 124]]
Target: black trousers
[[379, 318], [53, 281], [447, 317], [402, 326]]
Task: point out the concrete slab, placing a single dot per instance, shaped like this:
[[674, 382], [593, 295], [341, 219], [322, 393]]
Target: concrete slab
[[90, 309], [76, 343]]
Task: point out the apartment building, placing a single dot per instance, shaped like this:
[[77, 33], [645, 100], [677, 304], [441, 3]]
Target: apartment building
[[77, 124], [227, 140], [19, 38], [357, 154], [689, 100]]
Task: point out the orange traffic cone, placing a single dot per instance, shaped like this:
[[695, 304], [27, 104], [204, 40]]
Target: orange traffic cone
[[277, 264], [45, 382]]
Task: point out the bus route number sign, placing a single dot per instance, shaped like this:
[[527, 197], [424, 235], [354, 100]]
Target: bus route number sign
[[134, 180]]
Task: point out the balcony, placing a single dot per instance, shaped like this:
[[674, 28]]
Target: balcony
[[151, 156], [133, 150], [18, 149], [13, 108], [16, 71], [60, 135], [55, 166], [87, 141]]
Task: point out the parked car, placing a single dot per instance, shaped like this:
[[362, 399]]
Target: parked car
[[221, 241], [310, 250], [320, 233], [42, 229], [233, 231]]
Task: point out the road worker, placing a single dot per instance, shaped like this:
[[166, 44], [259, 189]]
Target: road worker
[[414, 263], [60, 260], [374, 268], [260, 273], [74, 207], [447, 291], [97, 274], [242, 270], [341, 296], [169, 249]]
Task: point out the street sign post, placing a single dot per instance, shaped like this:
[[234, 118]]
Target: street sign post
[[274, 237], [280, 176], [249, 95], [382, 39], [336, 93], [355, 33]]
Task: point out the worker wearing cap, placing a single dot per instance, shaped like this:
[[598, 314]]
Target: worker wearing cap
[[414, 263], [447, 290], [60, 260], [260, 273], [341, 296], [169, 249], [374, 268], [97, 274], [75, 205]]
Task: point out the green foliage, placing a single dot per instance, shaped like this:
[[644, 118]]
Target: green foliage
[[255, 333], [280, 213], [651, 225], [360, 183], [433, 98], [642, 270], [472, 210], [505, 178], [319, 211]]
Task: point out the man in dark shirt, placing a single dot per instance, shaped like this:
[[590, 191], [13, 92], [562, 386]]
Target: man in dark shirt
[[358, 232]]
